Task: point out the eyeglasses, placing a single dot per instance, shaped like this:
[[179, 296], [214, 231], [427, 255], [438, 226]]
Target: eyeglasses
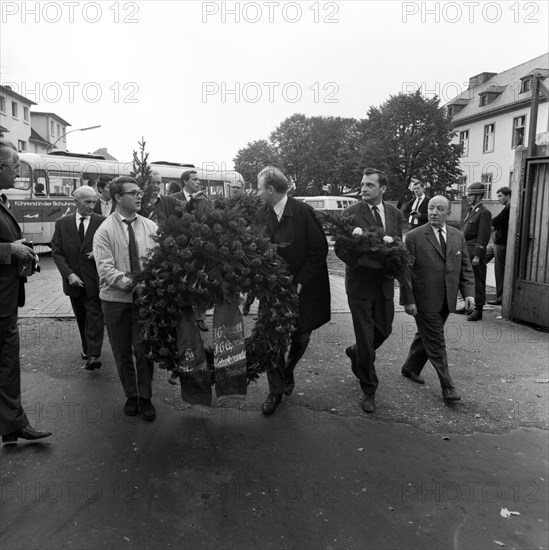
[[134, 194]]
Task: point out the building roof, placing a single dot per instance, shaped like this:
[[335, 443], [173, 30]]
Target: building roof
[[104, 153], [504, 87], [52, 115], [9, 91], [2, 129], [35, 136]]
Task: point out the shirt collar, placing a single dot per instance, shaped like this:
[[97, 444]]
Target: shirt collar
[[280, 205]]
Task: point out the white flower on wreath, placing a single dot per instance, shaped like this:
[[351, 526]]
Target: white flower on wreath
[[388, 240], [357, 231]]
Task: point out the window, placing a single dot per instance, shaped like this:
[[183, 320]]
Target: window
[[488, 141], [52, 128], [518, 131], [2, 103], [24, 179], [464, 142], [462, 186], [483, 100], [58, 130], [14, 109], [26, 114], [525, 85], [486, 179], [22, 145], [62, 184]]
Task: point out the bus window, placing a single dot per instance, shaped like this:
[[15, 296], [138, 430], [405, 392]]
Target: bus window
[[24, 180], [215, 188], [63, 184], [317, 205]]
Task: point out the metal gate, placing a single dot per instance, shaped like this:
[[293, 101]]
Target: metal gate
[[531, 290]]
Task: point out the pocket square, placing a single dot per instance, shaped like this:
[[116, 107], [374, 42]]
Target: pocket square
[[458, 253]]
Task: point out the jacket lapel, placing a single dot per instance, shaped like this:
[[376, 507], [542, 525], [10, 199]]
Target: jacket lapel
[[367, 213], [89, 233], [390, 222], [430, 236], [15, 226], [270, 219], [71, 227]]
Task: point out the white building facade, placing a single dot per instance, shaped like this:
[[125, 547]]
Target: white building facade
[[15, 119]]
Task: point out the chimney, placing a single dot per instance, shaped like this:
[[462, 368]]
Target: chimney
[[480, 79]]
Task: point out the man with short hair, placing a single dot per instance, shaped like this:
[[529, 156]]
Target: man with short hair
[[173, 187], [476, 230], [440, 267], [72, 253], [104, 205], [498, 249], [304, 249], [119, 245], [370, 291], [416, 209], [14, 424]]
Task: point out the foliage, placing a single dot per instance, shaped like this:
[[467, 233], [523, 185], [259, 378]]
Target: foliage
[[251, 159], [372, 246], [211, 257], [141, 169]]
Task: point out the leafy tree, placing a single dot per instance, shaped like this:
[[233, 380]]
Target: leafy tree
[[251, 159], [141, 169], [409, 137]]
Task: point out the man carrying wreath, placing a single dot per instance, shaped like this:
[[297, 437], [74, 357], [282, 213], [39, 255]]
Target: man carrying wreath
[[370, 289]]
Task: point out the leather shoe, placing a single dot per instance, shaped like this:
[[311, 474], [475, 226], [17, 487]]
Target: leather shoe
[[369, 404], [463, 311], [290, 383], [147, 409], [271, 403], [450, 394], [92, 363], [24, 433], [202, 325], [475, 316], [413, 376], [84, 356], [131, 407], [494, 302], [351, 354]]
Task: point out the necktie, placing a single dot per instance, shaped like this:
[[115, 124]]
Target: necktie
[[132, 245], [442, 242], [81, 228], [379, 223]]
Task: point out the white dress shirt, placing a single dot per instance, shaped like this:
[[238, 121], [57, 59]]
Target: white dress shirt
[[437, 234], [279, 207], [415, 208], [381, 210], [86, 222]]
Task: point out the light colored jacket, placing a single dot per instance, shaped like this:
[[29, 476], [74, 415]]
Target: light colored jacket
[[112, 255]]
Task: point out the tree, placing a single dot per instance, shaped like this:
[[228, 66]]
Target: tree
[[141, 170], [251, 159], [409, 137]]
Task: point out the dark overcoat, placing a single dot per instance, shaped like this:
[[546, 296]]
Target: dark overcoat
[[306, 258]]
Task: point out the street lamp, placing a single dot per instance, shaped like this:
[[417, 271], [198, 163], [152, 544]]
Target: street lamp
[[75, 130]]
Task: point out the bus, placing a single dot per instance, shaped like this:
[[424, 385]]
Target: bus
[[43, 191]]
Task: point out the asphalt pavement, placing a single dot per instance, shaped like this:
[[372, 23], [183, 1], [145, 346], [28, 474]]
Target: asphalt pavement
[[318, 474]]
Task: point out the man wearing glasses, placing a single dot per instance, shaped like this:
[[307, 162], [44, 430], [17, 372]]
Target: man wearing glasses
[[119, 245]]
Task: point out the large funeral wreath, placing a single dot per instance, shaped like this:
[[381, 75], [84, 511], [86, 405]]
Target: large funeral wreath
[[209, 257]]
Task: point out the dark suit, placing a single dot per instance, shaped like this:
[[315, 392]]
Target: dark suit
[[165, 207], [306, 258], [98, 209], [370, 293], [423, 217], [70, 256], [498, 250], [434, 288], [476, 229], [12, 296]]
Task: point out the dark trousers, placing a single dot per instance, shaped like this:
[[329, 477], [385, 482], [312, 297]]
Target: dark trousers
[[372, 322], [498, 252], [277, 376], [89, 318], [429, 343], [12, 415], [122, 320], [480, 278]]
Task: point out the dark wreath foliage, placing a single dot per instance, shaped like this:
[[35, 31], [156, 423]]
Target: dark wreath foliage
[[211, 257], [372, 245]]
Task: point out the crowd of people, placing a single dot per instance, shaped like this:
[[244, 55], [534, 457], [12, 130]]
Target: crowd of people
[[99, 249]]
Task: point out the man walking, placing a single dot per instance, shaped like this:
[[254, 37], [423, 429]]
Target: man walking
[[370, 291], [440, 268], [498, 249], [476, 229], [119, 244], [305, 250], [72, 253], [13, 420], [416, 209]]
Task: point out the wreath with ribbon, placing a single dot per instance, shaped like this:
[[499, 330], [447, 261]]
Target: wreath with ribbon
[[209, 257]]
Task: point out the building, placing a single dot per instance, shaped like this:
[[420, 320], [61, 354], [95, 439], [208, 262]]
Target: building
[[50, 128], [491, 120], [15, 119]]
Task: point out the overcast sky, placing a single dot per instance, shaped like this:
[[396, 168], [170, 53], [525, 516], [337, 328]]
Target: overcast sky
[[199, 85]]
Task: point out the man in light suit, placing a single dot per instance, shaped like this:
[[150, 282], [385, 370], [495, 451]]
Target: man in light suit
[[72, 253], [14, 423], [370, 291], [441, 267]]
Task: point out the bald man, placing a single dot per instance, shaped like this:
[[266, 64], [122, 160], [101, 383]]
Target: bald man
[[72, 253]]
